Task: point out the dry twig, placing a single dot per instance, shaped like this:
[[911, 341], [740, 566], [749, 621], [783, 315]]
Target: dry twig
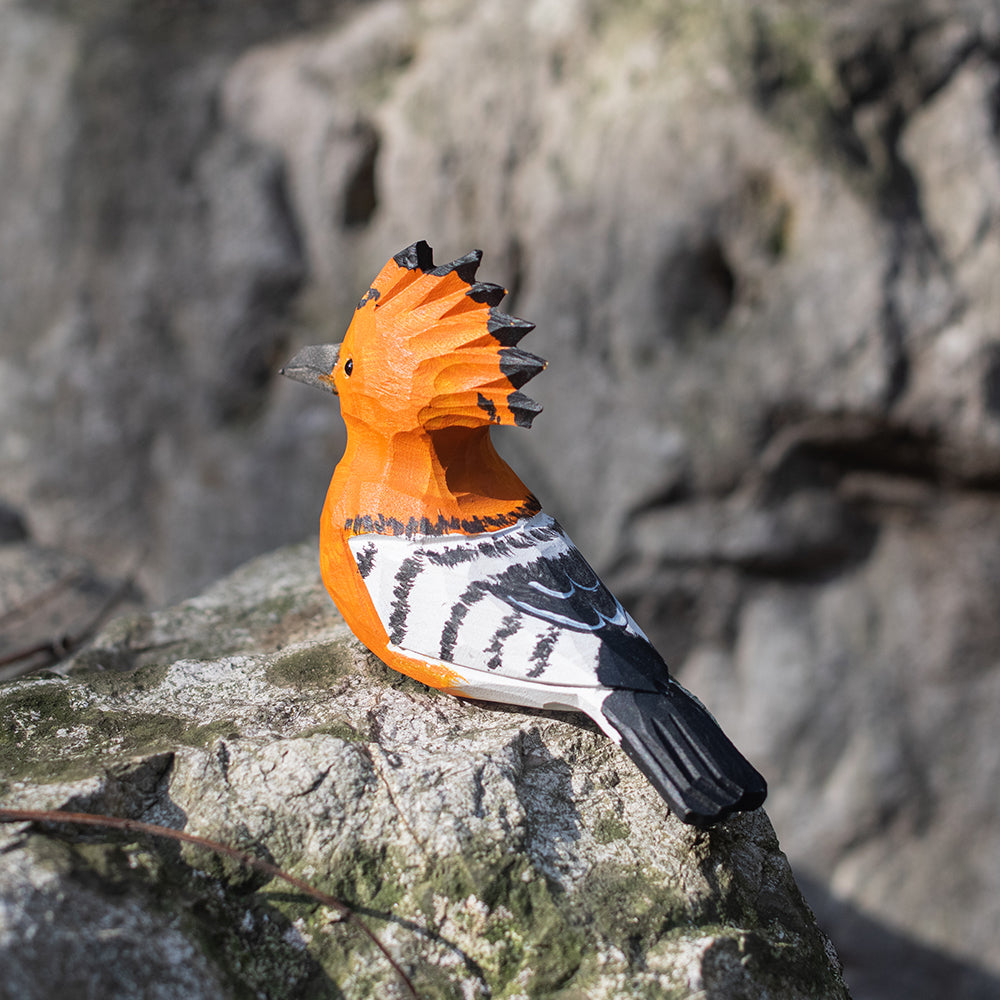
[[133, 826]]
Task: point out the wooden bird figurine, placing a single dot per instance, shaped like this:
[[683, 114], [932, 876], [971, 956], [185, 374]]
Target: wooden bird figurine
[[442, 561]]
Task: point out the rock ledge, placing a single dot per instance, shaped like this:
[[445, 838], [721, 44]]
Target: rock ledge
[[498, 853]]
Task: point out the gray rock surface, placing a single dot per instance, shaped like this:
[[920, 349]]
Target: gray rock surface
[[761, 244], [498, 853]]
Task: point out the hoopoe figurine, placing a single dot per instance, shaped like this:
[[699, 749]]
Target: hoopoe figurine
[[442, 561]]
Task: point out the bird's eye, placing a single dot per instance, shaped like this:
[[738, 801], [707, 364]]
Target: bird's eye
[[348, 367]]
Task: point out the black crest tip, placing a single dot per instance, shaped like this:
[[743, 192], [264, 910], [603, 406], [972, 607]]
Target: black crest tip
[[417, 256], [507, 329], [486, 292], [520, 366], [465, 267], [524, 408]]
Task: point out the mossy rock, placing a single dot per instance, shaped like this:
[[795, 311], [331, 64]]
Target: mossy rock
[[497, 852]]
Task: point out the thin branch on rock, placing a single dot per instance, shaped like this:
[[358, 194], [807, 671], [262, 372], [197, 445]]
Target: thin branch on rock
[[133, 826]]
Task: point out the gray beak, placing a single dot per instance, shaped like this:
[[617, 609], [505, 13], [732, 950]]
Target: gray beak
[[314, 366]]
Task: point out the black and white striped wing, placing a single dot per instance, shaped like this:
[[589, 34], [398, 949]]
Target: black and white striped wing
[[520, 603]]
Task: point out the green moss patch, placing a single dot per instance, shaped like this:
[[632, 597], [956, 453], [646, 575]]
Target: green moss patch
[[51, 733], [340, 728], [312, 668], [611, 827], [119, 683]]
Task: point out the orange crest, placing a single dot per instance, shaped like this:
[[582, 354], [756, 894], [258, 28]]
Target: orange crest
[[428, 348]]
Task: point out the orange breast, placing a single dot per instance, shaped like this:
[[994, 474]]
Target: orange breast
[[346, 587]]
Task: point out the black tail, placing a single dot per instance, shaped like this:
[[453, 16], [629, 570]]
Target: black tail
[[688, 758]]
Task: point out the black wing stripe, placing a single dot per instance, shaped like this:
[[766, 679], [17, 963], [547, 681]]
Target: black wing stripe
[[366, 559], [510, 624], [476, 591], [453, 555], [406, 577], [543, 649]]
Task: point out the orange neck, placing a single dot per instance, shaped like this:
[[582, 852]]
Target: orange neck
[[425, 482]]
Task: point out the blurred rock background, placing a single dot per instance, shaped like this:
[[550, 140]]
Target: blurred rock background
[[761, 244]]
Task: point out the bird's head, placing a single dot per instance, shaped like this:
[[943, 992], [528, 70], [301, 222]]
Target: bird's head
[[427, 349]]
